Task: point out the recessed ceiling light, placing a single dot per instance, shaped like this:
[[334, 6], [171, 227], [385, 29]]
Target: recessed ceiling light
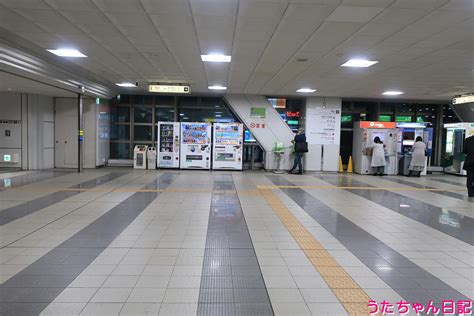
[[216, 58], [393, 93], [66, 52], [217, 88], [126, 84], [359, 63], [301, 60], [305, 90]]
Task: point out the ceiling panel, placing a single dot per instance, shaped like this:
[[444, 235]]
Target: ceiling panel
[[421, 45]]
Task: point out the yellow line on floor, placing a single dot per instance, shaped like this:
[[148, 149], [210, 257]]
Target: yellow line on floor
[[275, 187], [349, 293]]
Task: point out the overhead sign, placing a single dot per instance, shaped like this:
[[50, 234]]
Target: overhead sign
[[257, 112], [293, 113], [463, 99], [278, 103], [160, 88], [368, 124]]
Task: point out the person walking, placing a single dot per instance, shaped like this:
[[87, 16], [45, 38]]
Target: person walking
[[378, 157], [468, 150], [418, 153], [300, 147]]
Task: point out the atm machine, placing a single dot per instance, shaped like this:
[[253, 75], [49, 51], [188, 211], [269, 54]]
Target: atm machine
[[227, 146], [140, 156], [195, 151], [407, 134], [168, 144], [455, 136], [364, 134]]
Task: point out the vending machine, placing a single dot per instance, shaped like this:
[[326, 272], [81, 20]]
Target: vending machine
[[364, 134], [168, 144], [140, 156], [456, 133], [195, 148], [227, 146]]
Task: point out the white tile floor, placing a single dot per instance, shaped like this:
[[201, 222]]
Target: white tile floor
[[155, 264]]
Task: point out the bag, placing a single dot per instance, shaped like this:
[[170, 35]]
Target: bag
[[301, 147]]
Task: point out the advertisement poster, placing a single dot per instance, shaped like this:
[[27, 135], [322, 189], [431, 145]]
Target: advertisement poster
[[227, 135], [194, 133]]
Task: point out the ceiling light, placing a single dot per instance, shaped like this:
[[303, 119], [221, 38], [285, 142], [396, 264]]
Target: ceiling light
[[181, 114], [393, 93], [126, 84], [217, 88], [216, 58], [218, 115], [305, 90], [359, 63], [66, 52]]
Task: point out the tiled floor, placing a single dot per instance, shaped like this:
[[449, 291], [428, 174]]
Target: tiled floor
[[122, 242]]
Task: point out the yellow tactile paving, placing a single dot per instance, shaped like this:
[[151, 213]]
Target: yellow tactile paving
[[275, 187], [350, 294]]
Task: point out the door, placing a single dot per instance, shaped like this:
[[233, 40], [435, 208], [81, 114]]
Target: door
[[66, 136]]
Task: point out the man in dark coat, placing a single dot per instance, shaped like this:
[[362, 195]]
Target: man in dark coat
[[468, 150]]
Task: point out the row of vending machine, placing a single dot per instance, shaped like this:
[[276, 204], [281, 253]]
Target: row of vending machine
[[196, 145]]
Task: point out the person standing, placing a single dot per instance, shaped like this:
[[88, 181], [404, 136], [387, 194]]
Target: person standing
[[468, 150], [378, 157], [418, 153], [300, 146]]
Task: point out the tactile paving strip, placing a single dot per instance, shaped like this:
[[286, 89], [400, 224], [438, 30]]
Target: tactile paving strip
[[352, 296]]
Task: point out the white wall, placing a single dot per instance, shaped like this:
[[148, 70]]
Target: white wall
[[32, 138], [323, 148]]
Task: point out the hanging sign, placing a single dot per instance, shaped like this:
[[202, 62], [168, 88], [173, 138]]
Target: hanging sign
[[160, 88], [367, 124], [257, 112]]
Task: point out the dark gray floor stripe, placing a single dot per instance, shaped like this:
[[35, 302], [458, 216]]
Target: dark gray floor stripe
[[405, 277], [448, 182], [18, 211], [422, 186], [231, 283], [443, 220], [35, 287], [25, 179]]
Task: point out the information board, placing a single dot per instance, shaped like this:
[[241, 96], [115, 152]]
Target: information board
[[323, 126]]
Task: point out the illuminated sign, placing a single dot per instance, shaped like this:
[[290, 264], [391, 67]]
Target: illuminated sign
[[367, 124], [455, 125], [385, 118], [412, 125], [257, 112], [293, 114], [463, 99], [7, 183], [7, 158], [403, 118], [292, 122], [159, 88], [346, 118], [278, 103]]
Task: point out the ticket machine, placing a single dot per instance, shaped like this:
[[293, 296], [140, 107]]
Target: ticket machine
[[407, 134], [228, 141], [140, 156], [455, 135], [364, 134], [195, 146]]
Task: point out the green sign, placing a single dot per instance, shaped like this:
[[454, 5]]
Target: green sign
[[419, 119], [403, 118], [346, 118], [257, 112], [385, 118], [97, 100], [292, 122]]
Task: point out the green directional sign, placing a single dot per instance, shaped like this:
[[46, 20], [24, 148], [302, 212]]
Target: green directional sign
[[257, 112]]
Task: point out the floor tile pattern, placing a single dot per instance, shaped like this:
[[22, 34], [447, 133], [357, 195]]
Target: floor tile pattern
[[231, 283], [413, 283], [34, 288]]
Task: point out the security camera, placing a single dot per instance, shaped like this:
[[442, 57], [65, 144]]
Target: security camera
[[137, 84]]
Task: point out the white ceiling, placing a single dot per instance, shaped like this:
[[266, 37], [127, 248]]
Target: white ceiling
[[424, 47], [13, 83]]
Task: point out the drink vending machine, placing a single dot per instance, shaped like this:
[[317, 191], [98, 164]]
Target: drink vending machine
[[140, 156], [168, 144], [228, 141], [195, 145], [363, 141]]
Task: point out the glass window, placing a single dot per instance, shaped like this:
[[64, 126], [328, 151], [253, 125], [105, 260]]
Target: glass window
[[387, 108], [120, 150], [143, 114], [143, 100], [120, 114], [188, 101], [164, 114], [346, 106], [407, 108], [124, 99], [164, 100], [120, 132], [142, 132], [205, 115], [211, 102], [449, 116]]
